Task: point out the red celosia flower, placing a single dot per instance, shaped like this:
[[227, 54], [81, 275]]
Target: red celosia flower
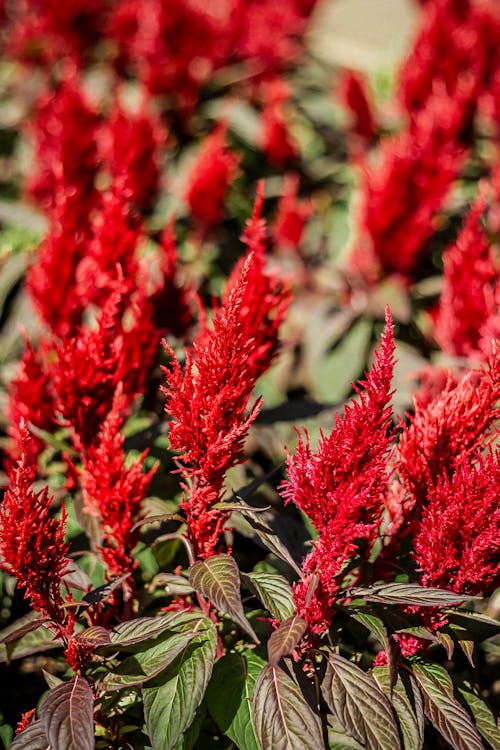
[[457, 540], [115, 234], [25, 721], [130, 146], [292, 214], [353, 95], [113, 491], [457, 49], [30, 401], [471, 276], [32, 545], [208, 400], [57, 258], [406, 191], [65, 132], [87, 372], [456, 424], [341, 486], [210, 177]]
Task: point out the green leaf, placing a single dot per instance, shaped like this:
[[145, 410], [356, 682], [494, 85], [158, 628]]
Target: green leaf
[[483, 716], [229, 697], [67, 716], [274, 592], [283, 719], [133, 635], [218, 579], [270, 539], [359, 705], [407, 702], [31, 738], [145, 665], [171, 699], [409, 593], [443, 710], [285, 639]]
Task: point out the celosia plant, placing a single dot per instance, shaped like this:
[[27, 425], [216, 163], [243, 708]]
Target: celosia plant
[[201, 576]]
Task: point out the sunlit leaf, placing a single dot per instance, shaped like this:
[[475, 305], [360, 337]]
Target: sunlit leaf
[[283, 719], [171, 699], [286, 638], [359, 705], [409, 593], [443, 711], [274, 592], [218, 579], [483, 716]]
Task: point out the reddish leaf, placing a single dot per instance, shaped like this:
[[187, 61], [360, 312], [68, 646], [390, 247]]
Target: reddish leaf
[[285, 639], [66, 714]]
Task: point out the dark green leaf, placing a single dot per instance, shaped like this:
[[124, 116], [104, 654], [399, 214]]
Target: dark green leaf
[[283, 719], [218, 578], [128, 635], [483, 716], [443, 711], [409, 593], [32, 738], [406, 700], [229, 697], [171, 699], [377, 628], [274, 592], [67, 716], [285, 639], [359, 705], [145, 665]]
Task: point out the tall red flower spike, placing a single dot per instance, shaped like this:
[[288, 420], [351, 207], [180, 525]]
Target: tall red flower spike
[[113, 491], [354, 96], [88, 368], [292, 215], [32, 545], [31, 400], [469, 296], [341, 486], [208, 400]]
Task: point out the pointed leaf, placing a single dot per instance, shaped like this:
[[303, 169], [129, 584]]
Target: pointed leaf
[[229, 697], [444, 712], [171, 699], [285, 639], [67, 716], [32, 641], [407, 702], [102, 592], [274, 592], [96, 635], [270, 539], [338, 739], [409, 593], [145, 665], [283, 719], [477, 625], [218, 578], [483, 716], [31, 738], [359, 705], [21, 630]]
